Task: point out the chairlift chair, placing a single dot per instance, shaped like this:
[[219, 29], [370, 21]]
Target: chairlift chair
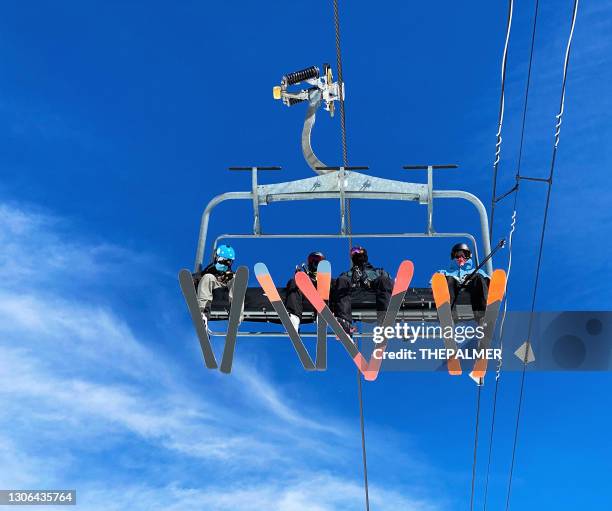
[[340, 184]]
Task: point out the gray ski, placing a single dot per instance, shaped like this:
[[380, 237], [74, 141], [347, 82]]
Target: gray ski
[[189, 292], [265, 281], [241, 281]]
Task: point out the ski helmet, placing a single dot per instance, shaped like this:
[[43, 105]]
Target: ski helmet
[[463, 247], [314, 258], [225, 252], [359, 255], [224, 257]]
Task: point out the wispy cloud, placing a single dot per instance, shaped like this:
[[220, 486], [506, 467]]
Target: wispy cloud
[[320, 492], [42, 247], [75, 378]]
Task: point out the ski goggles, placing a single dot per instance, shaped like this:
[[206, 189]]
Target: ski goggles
[[461, 253], [224, 261], [357, 250]]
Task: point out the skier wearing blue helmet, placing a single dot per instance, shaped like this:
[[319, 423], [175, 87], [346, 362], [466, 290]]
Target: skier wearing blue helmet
[[216, 275], [362, 278]]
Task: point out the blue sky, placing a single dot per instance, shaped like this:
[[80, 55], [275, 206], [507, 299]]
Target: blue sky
[[117, 122]]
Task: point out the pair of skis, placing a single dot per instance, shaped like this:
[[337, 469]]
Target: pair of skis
[[317, 297], [267, 283], [322, 291], [239, 292], [497, 288], [241, 281]]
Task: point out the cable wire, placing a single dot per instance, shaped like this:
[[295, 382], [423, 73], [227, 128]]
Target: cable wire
[[350, 237], [559, 118], [475, 448], [500, 122], [515, 190], [500, 118], [340, 83]]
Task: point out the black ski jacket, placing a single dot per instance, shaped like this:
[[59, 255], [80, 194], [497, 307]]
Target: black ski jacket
[[368, 274]]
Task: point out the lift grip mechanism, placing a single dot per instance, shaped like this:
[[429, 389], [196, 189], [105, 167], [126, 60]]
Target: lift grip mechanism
[[254, 169], [322, 90], [430, 169]]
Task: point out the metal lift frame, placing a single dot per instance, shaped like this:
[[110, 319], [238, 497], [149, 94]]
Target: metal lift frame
[[342, 184]]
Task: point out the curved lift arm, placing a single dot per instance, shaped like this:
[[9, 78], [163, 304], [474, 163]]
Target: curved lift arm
[[314, 102]]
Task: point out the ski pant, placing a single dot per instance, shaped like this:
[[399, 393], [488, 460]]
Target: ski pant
[[294, 299], [207, 285], [343, 290], [478, 289]]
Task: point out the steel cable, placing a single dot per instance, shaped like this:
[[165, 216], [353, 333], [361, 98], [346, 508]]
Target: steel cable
[[559, 118], [514, 190], [350, 237]]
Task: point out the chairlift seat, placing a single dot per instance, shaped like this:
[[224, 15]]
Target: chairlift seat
[[418, 305]]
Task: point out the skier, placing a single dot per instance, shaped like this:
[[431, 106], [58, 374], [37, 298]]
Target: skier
[[294, 299], [216, 275], [462, 268], [362, 276]]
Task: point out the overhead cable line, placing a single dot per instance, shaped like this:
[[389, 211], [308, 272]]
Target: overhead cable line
[[500, 118], [549, 181], [514, 190], [475, 448], [500, 122], [350, 237]]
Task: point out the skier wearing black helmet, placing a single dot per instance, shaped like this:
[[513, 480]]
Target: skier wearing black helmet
[[294, 299], [363, 276], [461, 269]]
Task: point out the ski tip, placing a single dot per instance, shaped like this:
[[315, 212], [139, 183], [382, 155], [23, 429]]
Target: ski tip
[[324, 266], [242, 272], [439, 287], [479, 371], [371, 372], [363, 366], [265, 281], [182, 273], [370, 375], [404, 276], [438, 278], [454, 367], [260, 269], [406, 264], [497, 287]]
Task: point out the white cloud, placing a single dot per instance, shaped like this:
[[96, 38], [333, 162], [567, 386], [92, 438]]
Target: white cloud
[[270, 398], [76, 381], [40, 249], [320, 492]]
